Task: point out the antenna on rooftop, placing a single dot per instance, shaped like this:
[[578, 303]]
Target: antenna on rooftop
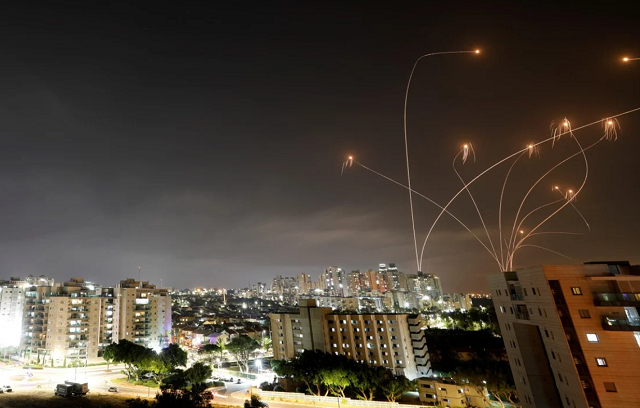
[[139, 276]]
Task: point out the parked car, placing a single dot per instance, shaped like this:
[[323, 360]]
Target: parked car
[[113, 389], [6, 388]]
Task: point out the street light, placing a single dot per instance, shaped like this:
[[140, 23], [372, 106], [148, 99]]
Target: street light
[[627, 59]]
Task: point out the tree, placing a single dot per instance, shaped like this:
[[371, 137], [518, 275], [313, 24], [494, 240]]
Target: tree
[[393, 386], [366, 380], [211, 351], [241, 348], [266, 343], [171, 398], [495, 376], [306, 368], [173, 356], [336, 379], [109, 354], [134, 357], [198, 373]]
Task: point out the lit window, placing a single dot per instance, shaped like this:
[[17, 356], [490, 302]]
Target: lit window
[[601, 361], [593, 338], [576, 290]]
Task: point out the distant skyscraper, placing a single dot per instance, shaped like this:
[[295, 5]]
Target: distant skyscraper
[[304, 283], [333, 280]]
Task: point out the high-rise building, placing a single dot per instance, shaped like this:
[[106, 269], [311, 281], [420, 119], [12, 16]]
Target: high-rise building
[[11, 312], [304, 283], [426, 285], [395, 279], [357, 282], [144, 313], [377, 281], [293, 333], [333, 281], [572, 333], [62, 322], [390, 340]]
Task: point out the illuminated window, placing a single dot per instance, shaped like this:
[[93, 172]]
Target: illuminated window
[[593, 338], [601, 361], [576, 290]]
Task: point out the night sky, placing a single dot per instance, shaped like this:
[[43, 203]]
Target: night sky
[[205, 144]]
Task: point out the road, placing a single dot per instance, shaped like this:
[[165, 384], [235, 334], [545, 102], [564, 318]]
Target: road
[[100, 380]]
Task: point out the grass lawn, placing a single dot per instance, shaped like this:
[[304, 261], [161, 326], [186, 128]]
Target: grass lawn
[[46, 399], [144, 383]]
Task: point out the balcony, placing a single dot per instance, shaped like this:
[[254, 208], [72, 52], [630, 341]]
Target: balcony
[[517, 296], [613, 324], [522, 316], [616, 299]]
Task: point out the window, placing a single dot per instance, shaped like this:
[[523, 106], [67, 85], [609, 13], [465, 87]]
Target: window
[[502, 310], [593, 338], [533, 290], [525, 291], [601, 361], [576, 290], [553, 355], [610, 387], [584, 314]]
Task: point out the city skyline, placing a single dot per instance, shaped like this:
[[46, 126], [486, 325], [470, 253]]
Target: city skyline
[[204, 145]]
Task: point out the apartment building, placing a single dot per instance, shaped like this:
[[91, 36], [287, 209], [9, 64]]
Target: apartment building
[[62, 322], [572, 333], [389, 340], [373, 339], [292, 333], [76, 320], [144, 313], [11, 312], [444, 393]]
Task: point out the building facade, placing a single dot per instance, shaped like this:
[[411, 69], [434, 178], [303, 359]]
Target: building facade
[[144, 313], [572, 333], [73, 322], [293, 333], [11, 313], [381, 339], [437, 391]]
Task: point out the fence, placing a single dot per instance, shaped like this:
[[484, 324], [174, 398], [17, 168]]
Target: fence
[[322, 401]]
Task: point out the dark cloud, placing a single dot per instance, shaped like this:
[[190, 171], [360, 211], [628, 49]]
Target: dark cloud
[[204, 143]]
